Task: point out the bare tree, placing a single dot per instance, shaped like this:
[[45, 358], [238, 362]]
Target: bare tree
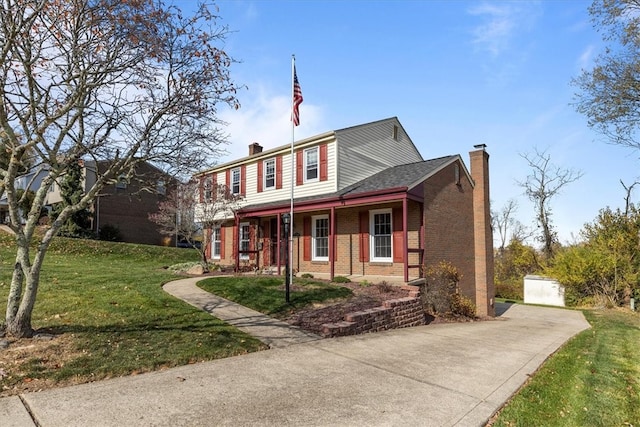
[[504, 220], [183, 215], [110, 80], [609, 92], [627, 197], [545, 182]]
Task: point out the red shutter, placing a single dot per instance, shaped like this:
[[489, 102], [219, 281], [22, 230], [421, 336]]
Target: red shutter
[[306, 238], [279, 172], [222, 228], [299, 168], [243, 180], [207, 243], [398, 241], [260, 175], [364, 236], [201, 189], [228, 179], [324, 174], [252, 241]]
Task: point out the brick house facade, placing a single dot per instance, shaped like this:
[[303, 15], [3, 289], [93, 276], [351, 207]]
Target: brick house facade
[[365, 204]]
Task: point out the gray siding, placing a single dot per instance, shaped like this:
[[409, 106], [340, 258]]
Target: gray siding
[[368, 149]]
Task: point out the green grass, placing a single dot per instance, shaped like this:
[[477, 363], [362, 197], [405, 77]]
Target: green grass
[[267, 294], [594, 380], [108, 298]]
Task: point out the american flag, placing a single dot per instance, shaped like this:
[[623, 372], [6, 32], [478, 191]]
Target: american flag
[[297, 98]]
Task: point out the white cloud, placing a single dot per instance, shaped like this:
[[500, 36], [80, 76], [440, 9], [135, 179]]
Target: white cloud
[[265, 118], [500, 23], [586, 57]]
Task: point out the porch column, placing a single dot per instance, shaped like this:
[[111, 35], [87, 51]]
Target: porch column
[[236, 242], [405, 235], [278, 239], [332, 242]]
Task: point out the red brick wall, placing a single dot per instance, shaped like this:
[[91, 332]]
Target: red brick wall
[[485, 291], [448, 221], [128, 208], [392, 314], [348, 244]]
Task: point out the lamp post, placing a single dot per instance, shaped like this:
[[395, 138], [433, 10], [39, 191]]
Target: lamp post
[[286, 220]]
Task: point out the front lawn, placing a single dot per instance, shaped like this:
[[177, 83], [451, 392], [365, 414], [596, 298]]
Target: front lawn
[[267, 294], [594, 380], [104, 305]]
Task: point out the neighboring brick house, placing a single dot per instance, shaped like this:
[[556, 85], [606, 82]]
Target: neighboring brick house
[[126, 203], [365, 204]]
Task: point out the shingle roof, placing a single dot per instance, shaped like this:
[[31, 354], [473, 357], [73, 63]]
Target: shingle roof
[[402, 176], [397, 176]]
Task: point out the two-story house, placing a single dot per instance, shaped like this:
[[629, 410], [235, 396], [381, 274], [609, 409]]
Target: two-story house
[[365, 204]]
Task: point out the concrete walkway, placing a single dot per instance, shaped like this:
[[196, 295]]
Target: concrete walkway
[[273, 332], [436, 375]]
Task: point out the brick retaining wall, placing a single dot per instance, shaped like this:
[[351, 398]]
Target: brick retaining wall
[[393, 314]]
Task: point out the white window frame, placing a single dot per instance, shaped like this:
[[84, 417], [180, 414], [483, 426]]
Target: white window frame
[[314, 237], [266, 164], [236, 172], [307, 165], [373, 236], [215, 240], [241, 229]]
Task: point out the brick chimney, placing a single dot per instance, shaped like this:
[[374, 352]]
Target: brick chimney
[[483, 235], [255, 148]]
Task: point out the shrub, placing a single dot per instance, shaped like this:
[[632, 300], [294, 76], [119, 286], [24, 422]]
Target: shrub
[[441, 281], [440, 294], [110, 233], [514, 291], [307, 276], [341, 279], [462, 306], [384, 286]]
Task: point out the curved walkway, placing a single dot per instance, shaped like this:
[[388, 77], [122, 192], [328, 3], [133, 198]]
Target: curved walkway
[[273, 332]]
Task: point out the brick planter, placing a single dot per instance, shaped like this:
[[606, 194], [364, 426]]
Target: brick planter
[[392, 314]]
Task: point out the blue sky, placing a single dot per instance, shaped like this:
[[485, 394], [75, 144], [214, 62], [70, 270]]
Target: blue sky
[[455, 73]]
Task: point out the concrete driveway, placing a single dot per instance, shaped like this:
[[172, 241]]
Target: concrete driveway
[[434, 375]]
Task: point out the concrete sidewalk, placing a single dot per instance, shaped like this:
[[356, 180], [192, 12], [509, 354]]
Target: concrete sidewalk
[[435, 375], [273, 332]]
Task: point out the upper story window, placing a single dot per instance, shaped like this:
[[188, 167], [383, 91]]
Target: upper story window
[[311, 164], [208, 190], [235, 181], [269, 174], [320, 238], [395, 132], [381, 229]]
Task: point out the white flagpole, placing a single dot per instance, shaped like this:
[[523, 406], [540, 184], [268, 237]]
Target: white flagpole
[[293, 126]]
